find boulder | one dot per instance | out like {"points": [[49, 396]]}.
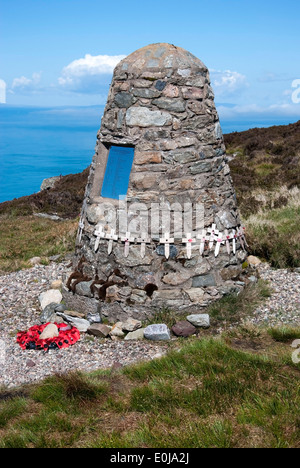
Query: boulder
{"points": [[131, 325], [117, 330], [74, 313], [35, 261], [50, 331], [50, 296], [135, 335], [199, 320], [56, 284], [94, 318], [183, 328], [48, 311], [99, 329], [81, 324], [253, 261], [157, 332], [49, 182]]}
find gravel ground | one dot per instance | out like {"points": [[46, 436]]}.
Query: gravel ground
{"points": [[20, 309], [283, 307]]}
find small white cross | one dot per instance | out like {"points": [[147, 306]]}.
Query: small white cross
{"points": [[202, 238], [127, 239], [167, 241], [227, 238], [111, 236], [143, 240], [81, 228], [219, 240], [188, 241], [100, 234], [234, 237], [213, 232]]}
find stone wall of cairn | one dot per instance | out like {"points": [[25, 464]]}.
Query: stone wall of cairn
{"points": [[161, 102]]}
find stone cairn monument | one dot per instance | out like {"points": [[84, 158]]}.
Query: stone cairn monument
{"points": [[159, 225]]}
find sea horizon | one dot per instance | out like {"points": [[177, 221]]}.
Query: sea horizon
{"points": [[41, 142]]}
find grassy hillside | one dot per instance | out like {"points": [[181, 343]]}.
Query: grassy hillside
{"points": [[262, 161], [64, 199], [265, 167]]}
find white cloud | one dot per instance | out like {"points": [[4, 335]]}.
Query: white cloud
{"points": [[227, 83], [2, 92], [26, 84], [257, 111], [86, 74]]}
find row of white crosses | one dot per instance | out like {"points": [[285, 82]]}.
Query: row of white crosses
{"points": [[212, 236], [127, 239]]}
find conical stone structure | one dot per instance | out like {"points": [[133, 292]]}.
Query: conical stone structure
{"points": [[159, 225]]}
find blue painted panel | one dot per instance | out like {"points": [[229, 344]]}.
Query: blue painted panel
{"points": [[117, 173]]}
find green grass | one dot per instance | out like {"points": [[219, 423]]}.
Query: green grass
{"points": [[206, 394], [285, 334], [232, 308], [25, 237], [164, 315], [273, 234]]}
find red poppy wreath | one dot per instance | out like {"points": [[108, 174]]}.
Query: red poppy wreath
{"points": [[67, 336]]}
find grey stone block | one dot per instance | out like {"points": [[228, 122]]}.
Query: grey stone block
{"points": [[157, 332], [204, 281], [199, 320]]}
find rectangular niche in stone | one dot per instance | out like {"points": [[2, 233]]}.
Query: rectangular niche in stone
{"points": [[117, 172]]}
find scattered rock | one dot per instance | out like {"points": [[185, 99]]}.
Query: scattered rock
{"points": [[98, 329], [30, 363], [55, 258], [49, 182], [253, 261], [48, 311], [135, 335], [60, 308], [74, 313], [54, 318], [50, 296], [50, 331], [131, 325], [157, 356], [157, 332], [81, 324], [183, 328], [117, 330], [199, 320], [94, 318], [56, 284], [35, 261]]}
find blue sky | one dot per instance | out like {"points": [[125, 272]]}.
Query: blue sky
{"points": [[62, 52]]}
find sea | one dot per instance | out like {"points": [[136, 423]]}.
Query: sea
{"points": [[39, 142]]}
